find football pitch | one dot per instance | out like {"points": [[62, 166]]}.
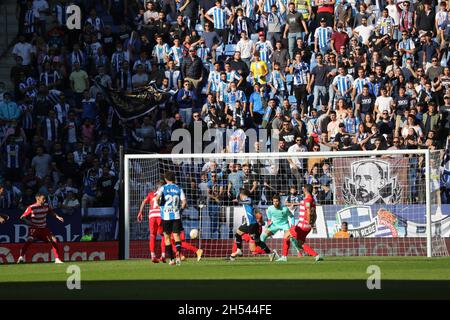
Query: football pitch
{"points": [[245, 278]]}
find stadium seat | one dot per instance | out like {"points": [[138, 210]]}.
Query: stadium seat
{"points": [[229, 49]]}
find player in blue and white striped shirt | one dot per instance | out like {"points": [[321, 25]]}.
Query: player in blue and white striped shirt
{"points": [[160, 51], [222, 88], [322, 37], [406, 48], [359, 83], [265, 49], [301, 78], [214, 79], [172, 200], [176, 52], [218, 16], [268, 5], [343, 84]]}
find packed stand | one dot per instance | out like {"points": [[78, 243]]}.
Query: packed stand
{"points": [[326, 75]]}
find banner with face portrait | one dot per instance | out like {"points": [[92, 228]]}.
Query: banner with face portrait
{"points": [[373, 181]]}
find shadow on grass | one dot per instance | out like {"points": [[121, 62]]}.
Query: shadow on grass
{"points": [[228, 290]]}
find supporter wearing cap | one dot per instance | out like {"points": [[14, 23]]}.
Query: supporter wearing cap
{"points": [[325, 11], [322, 37], [264, 48]]}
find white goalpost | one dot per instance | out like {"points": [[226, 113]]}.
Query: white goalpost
{"points": [[390, 199]]}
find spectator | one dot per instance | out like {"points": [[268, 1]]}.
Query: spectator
{"points": [[9, 110], [343, 233]]}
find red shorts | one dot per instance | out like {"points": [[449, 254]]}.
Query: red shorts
{"points": [[299, 233], [43, 234], [155, 225]]}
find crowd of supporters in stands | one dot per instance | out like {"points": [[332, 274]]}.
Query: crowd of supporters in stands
{"points": [[325, 75]]}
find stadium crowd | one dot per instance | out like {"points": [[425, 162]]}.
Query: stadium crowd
{"points": [[326, 75]]}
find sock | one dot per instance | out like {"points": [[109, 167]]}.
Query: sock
{"points": [[286, 244], [169, 251], [263, 246], [152, 242], [178, 246], [309, 250], [258, 250], [263, 237], [174, 248], [55, 248], [238, 241], [25, 248], [189, 247], [234, 247]]}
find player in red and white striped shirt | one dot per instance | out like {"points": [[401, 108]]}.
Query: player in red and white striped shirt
{"points": [[306, 221], [36, 217], [155, 224]]}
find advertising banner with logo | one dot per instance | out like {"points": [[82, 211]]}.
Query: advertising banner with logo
{"points": [[15, 230], [72, 251]]}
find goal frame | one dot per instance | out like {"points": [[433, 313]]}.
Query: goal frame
{"points": [[306, 155]]}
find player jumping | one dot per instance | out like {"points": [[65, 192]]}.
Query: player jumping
{"points": [[278, 216], [155, 223], [306, 221], [172, 200], [251, 226], [36, 217], [187, 246]]}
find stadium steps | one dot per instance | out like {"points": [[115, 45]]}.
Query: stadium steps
{"points": [[8, 32]]}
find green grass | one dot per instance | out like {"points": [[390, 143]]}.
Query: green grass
{"points": [[255, 278]]}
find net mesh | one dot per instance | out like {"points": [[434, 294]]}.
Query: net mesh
{"points": [[381, 198]]}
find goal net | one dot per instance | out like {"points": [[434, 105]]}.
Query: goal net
{"points": [[390, 200]]}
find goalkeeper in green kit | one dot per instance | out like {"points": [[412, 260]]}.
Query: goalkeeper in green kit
{"points": [[278, 219]]}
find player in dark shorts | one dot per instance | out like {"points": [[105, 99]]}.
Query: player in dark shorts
{"points": [[251, 227]]}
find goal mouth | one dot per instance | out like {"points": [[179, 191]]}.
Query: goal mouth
{"points": [[389, 200]]}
